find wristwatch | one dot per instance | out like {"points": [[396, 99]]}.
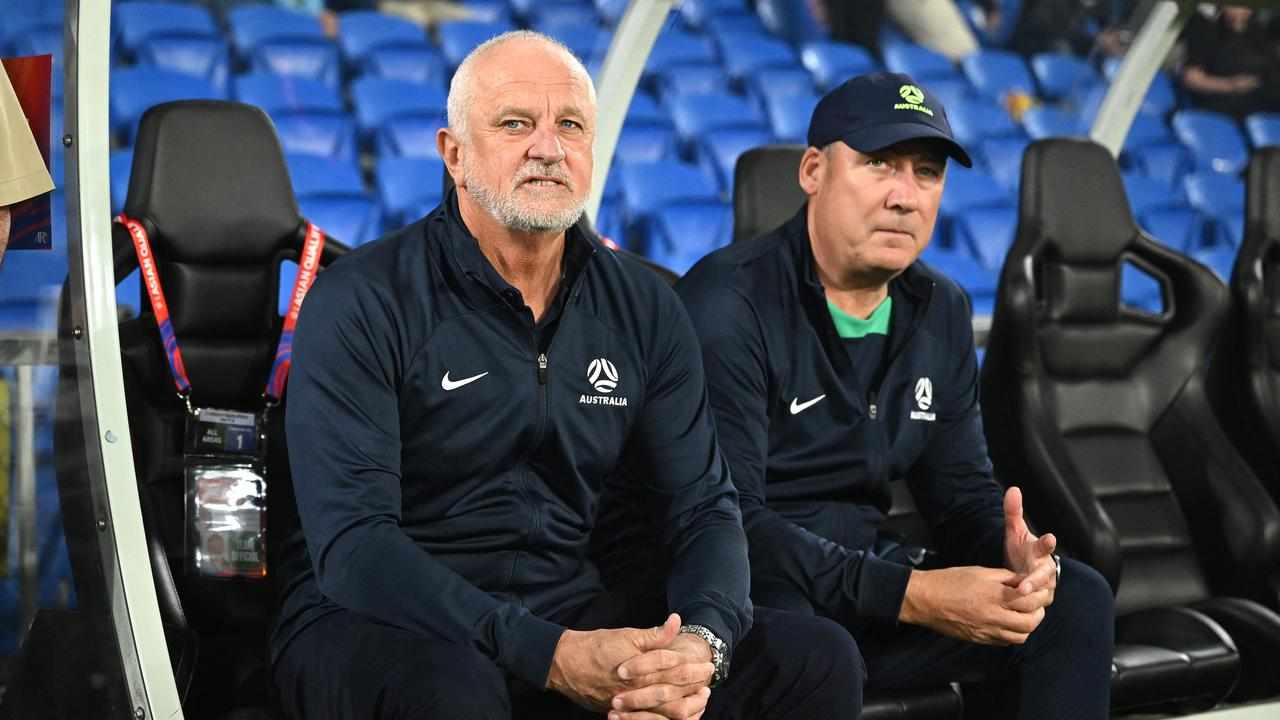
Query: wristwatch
{"points": [[719, 651]]}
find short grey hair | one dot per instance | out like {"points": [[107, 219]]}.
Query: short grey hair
{"points": [[461, 87]]}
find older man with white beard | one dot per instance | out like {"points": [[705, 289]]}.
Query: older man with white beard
{"points": [[460, 391]]}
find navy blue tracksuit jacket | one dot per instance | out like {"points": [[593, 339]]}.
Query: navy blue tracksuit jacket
{"points": [[814, 475], [447, 454]]}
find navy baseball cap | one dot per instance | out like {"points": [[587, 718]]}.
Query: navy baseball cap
{"points": [[874, 111]]}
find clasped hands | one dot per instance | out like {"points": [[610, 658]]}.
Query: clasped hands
{"points": [[635, 674], [991, 606]]}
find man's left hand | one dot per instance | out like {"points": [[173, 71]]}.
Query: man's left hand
{"points": [[1029, 556], [671, 683]]}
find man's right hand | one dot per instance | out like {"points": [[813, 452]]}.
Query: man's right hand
{"points": [[585, 665], [975, 604]]}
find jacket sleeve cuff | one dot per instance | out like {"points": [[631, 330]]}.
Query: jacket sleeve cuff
{"points": [[712, 619], [881, 587], [531, 648]]}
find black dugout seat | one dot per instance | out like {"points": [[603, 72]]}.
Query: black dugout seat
{"points": [[766, 193], [1099, 412], [210, 186], [1247, 374]]}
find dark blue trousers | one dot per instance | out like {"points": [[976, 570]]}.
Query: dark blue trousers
{"points": [[1062, 671], [346, 666]]}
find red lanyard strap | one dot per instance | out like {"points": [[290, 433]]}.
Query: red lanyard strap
{"points": [[308, 266]]}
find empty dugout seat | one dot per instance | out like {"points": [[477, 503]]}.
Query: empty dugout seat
{"points": [[1061, 75], [216, 231], [1263, 129], [997, 73], [1247, 374], [831, 63], [1099, 413], [1213, 138], [360, 32]]}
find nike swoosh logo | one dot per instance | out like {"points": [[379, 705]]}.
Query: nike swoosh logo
{"points": [[448, 384], [798, 407]]}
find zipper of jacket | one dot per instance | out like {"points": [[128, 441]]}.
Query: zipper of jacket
{"points": [[873, 395]]}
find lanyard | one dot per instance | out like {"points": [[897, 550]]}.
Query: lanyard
{"points": [[308, 265]]}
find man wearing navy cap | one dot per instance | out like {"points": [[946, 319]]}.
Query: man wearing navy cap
{"points": [[840, 367]]}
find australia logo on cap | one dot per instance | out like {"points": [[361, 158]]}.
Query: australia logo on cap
{"points": [[914, 97]]}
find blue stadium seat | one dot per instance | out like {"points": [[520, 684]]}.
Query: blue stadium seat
{"points": [[950, 91], [1161, 97], [406, 184], [644, 109], [1166, 162], [1146, 194], [696, 13], [1061, 75], [965, 189], [996, 73], [1147, 130], [316, 133], [975, 120], [647, 187], [489, 11], [575, 27], [1263, 129], [675, 47], [134, 22], [1213, 138], [277, 94], [986, 232], [135, 89], [1219, 259], [745, 55], [1214, 194], [1045, 121], [203, 56], [459, 38], [695, 116], [792, 21], [643, 142], [719, 27], [978, 281], [43, 40], [312, 58], [1140, 290], [363, 31], [1181, 228], [1230, 229], [119, 165], [921, 63], [423, 65], [682, 234], [1003, 159], [331, 194], [679, 80], [252, 25], [610, 11], [530, 10], [789, 117], [409, 136], [773, 85], [609, 221], [377, 100], [718, 152], [831, 63]]}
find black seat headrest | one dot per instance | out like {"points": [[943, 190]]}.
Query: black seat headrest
{"points": [[766, 189], [210, 181], [1085, 222], [1262, 211]]}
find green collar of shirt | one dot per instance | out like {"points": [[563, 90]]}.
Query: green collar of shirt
{"points": [[848, 326]]}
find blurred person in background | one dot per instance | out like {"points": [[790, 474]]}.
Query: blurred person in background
{"points": [[1232, 61]]}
